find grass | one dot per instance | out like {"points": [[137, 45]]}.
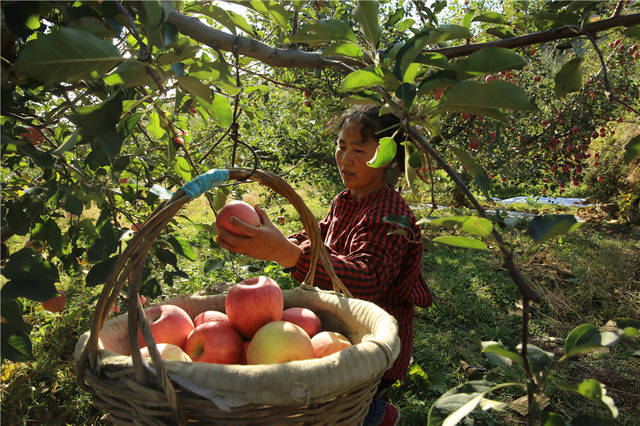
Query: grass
{"points": [[590, 276]]}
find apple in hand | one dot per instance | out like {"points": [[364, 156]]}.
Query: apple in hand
{"points": [[169, 324], [207, 316], [167, 352], [303, 317], [327, 342], [215, 342], [279, 341], [252, 303], [243, 211], [56, 303]]}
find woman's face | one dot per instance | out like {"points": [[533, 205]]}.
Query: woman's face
{"points": [[352, 154]]}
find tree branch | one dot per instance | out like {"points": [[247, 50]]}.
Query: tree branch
{"points": [[542, 36], [294, 58]]}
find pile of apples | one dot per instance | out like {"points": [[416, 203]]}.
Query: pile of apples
{"points": [[256, 329]]}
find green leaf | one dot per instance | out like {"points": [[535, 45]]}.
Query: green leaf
{"points": [[385, 153], [586, 337], [434, 59], [107, 243], [273, 9], [48, 232], [16, 346], [633, 32], [220, 111], [366, 14], [182, 247], [474, 169], [73, 203], [407, 93], [30, 276], [68, 143], [632, 150], [154, 126], [361, 79], [499, 355], [129, 74], [12, 314], [183, 169], [166, 256], [456, 398], [216, 73], [228, 18], [99, 272], [213, 265], [543, 228], [409, 51], [343, 49], [471, 224], [466, 95], [553, 419], [67, 55], [569, 78], [322, 32], [595, 391], [492, 17], [448, 32], [463, 242], [396, 219], [195, 88], [490, 60], [501, 32], [98, 124], [538, 359]]}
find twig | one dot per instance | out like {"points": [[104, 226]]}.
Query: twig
{"points": [[618, 9]]}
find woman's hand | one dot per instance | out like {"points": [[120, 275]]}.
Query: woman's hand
{"points": [[265, 243]]}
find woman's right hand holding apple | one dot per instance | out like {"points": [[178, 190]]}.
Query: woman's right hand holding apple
{"points": [[264, 242]]}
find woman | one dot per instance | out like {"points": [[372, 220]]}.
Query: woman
{"points": [[375, 266]]}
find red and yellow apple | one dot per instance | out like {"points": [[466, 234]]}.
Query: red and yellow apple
{"points": [[169, 324], [243, 211], [303, 317], [167, 352], [56, 303], [328, 342], [207, 316], [252, 303], [279, 341], [215, 342]]}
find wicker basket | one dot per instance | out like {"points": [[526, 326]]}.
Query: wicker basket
{"points": [[334, 390]]}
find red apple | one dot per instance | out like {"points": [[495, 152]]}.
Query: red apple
{"points": [[168, 352], [242, 211], [215, 342], [207, 316], [474, 144], [279, 341], [169, 324], [303, 317], [56, 303], [33, 135], [327, 342], [252, 303]]}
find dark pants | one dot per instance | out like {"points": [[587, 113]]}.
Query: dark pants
{"points": [[379, 403]]}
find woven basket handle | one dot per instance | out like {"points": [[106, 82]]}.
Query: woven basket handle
{"points": [[129, 266]]}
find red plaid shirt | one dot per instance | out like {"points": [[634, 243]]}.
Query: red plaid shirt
{"points": [[374, 266]]}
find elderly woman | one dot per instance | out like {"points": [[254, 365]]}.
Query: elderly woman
{"points": [[373, 265]]}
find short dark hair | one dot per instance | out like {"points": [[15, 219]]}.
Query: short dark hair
{"points": [[376, 126]]}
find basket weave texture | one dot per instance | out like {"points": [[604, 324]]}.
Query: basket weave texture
{"points": [[334, 390]]}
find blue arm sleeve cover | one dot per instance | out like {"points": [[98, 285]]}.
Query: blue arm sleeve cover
{"points": [[205, 182]]}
